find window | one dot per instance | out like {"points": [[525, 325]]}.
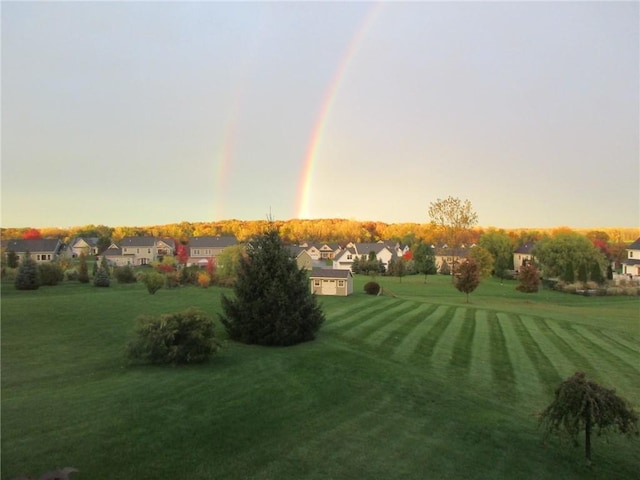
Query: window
{"points": [[316, 283], [630, 253], [341, 283], [149, 250], [349, 256], [37, 257]]}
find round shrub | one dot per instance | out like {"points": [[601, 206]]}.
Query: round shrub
{"points": [[372, 288], [154, 282], [124, 274], [174, 338]]}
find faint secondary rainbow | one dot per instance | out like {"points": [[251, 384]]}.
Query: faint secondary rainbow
{"points": [[304, 189]]}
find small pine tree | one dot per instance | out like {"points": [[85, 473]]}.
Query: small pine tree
{"points": [[355, 266], [102, 278], [528, 279], [467, 277], [595, 274], [12, 259], [28, 276], [83, 269], [583, 274], [569, 274], [273, 304], [104, 265]]}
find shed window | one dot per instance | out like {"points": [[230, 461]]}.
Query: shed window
{"points": [[316, 283], [341, 283]]}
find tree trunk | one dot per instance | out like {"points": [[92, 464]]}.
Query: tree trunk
{"points": [[587, 440]]}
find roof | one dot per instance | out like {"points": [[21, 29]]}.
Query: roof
{"points": [[635, 245], [112, 252], [34, 245], [631, 261], [137, 242], [295, 251], [525, 248], [91, 241], [212, 242], [330, 273]]}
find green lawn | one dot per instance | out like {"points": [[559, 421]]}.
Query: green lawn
{"points": [[416, 385]]}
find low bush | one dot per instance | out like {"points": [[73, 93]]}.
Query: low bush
{"points": [[174, 338], [372, 288], [50, 273], [172, 280], [125, 274], [204, 279], [71, 275], [154, 282]]}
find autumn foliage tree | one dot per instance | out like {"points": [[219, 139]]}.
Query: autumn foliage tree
{"points": [[467, 277], [581, 404], [32, 234], [528, 279]]}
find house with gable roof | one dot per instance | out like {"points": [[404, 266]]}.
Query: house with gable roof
{"points": [[631, 264], [523, 255], [138, 251], [201, 249], [383, 252], [301, 256], [86, 245], [39, 249]]}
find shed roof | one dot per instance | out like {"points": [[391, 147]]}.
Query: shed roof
{"points": [[330, 273]]}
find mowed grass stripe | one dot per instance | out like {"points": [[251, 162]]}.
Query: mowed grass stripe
{"points": [[628, 343], [391, 334], [624, 355], [563, 343], [443, 348], [354, 315], [527, 385], [606, 359], [375, 322], [427, 344], [503, 376], [480, 367], [463, 346], [434, 322]]}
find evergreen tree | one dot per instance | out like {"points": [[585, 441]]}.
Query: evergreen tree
{"points": [[104, 265], [595, 274], [83, 269], [273, 303], [102, 278], [355, 266], [569, 274], [12, 259], [28, 276], [583, 274]]}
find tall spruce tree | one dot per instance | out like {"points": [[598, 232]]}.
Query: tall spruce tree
{"points": [[273, 304]]}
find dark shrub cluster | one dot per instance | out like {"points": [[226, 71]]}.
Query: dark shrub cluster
{"points": [[50, 273], [372, 288], [174, 338], [124, 274]]}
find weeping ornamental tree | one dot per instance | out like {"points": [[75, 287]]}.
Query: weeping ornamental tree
{"points": [[581, 404], [273, 304]]}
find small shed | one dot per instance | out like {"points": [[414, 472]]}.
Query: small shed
{"points": [[331, 281]]}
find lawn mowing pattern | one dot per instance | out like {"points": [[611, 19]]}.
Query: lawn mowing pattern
{"points": [[518, 354], [392, 388]]}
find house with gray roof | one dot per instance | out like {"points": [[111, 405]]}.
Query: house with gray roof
{"points": [[138, 251], [383, 252], [201, 249], [39, 249], [523, 255], [631, 264], [86, 245]]}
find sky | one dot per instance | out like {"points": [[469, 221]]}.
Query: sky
{"points": [[149, 113]]}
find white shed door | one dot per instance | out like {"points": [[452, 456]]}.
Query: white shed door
{"points": [[329, 287]]}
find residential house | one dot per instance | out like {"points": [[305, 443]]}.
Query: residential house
{"points": [[523, 255], [331, 281], [451, 256], [39, 249], [201, 249], [302, 257], [86, 245], [138, 251], [631, 265], [384, 252], [321, 251]]}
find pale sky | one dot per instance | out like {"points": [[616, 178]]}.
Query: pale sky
{"points": [[134, 114]]}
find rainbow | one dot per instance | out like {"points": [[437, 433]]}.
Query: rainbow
{"points": [[304, 189]]}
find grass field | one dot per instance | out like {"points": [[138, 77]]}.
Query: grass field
{"points": [[416, 385]]}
